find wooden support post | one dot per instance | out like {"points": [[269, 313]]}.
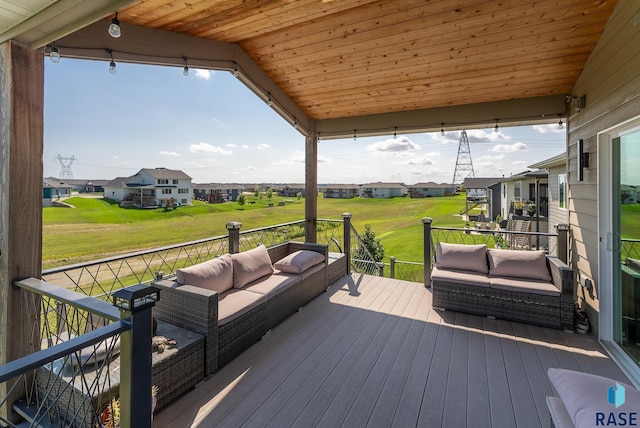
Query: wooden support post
{"points": [[21, 144], [562, 250], [311, 188], [234, 236]]}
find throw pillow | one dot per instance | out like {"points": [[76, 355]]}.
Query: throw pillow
{"points": [[588, 397], [215, 274], [250, 265], [462, 257], [519, 264], [299, 261]]}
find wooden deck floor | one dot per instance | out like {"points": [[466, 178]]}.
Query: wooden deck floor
{"points": [[373, 352]]}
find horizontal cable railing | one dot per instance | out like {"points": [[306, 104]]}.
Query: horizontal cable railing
{"points": [[630, 248]]}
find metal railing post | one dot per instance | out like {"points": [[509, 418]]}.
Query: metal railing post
{"points": [[380, 269], [136, 306], [234, 236], [392, 266], [563, 242], [426, 221], [346, 217]]}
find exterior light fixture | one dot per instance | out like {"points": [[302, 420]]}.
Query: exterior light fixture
{"points": [[355, 137], [295, 123], [185, 70], [54, 54], [269, 102], [136, 298], [442, 129], [497, 128], [235, 71], [112, 64], [560, 124], [395, 132], [114, 27]]}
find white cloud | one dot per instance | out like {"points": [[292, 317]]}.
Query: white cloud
{"points": [[244, 146], [125, 163], [263, 146], [549, 127], [249, 168], [509, 148], [205, 148], [399, 144], [115, 157], [480, 136], [298, 157], [230, 145], [164, 153], [519, 164], [203, 74], [491, 157]]}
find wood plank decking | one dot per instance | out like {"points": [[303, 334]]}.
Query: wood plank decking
{"points": [[373, 352]]}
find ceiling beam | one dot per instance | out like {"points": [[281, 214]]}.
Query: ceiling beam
{"points": [[157, 47], [527, 111]]}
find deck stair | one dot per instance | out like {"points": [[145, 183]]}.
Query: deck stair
{"points": [[29, 414]]}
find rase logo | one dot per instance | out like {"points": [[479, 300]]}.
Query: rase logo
{"points": [[616, 397]]}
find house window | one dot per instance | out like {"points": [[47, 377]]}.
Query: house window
{"points": [[562, 191], [166, 191], [183, 190], [162, 181], [175, 181], [504, 190], [516, 190]]}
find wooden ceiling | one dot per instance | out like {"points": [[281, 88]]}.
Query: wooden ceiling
{"points": [[346, 58]]}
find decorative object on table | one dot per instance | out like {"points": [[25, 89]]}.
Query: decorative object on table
{"points": [[160, 343], [110, 416]]}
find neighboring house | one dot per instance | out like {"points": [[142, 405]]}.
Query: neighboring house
{"points": [[523, 187], [340, 191], [216, 193], [483, 193], [150, 188], [382, 190], [425, 190], [83, 185], [291, 190], [54, 190], [557, 211], [628, 194]]}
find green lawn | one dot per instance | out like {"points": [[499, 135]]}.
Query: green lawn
{"points": [[98, 228]]}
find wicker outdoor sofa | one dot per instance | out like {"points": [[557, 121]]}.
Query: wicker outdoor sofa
{"points": [[525, 286], [235, 299]]}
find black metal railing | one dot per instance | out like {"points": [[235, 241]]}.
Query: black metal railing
{"points": [[66, 377]]}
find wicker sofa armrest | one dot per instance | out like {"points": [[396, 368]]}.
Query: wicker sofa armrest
{"points": [[562, 276], [192, 308]]}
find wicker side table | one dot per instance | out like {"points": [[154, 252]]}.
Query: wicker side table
{"points": [[175, 371]]}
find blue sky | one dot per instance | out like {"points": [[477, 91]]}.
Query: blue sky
{"points": [[214, 129]]}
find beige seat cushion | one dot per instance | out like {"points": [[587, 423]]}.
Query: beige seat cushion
{"points": [[250, 265], [460, 277], [272, 284], [215, 274], [313, 269], [519, 264], [524, 285], [471, 258], [234, 303], [299, 261]]}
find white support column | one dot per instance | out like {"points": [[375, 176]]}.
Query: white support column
{"points": [[21, 144]]}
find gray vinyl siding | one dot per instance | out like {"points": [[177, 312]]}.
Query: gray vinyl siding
{"points": [[611, 82]]}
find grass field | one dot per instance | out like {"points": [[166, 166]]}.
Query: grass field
{"points": [[98, 228]]}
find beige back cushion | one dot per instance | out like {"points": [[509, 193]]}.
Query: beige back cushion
{"points": [[519, 264], [215, 274], [251, 265], [471, 258]]}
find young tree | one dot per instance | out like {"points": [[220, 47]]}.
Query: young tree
{"points": [[242, 199], [373, 245], [299, 195], [269, 193], [256, 193]]}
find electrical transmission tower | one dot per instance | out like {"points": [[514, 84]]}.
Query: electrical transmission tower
{"points": [[65, 166], [464, 165]]}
